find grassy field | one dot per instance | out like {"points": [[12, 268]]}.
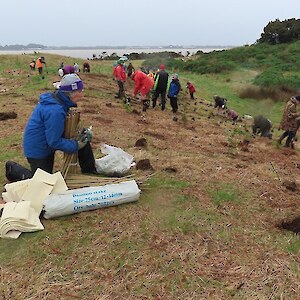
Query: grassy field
{"points": [[207, 224]]}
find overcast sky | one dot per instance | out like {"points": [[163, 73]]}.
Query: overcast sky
{"points": [[138, 22]]}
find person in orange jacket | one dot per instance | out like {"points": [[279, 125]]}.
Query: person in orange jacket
{"points": [[142, 85], [39, 65]]}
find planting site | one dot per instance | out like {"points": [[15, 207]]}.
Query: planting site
{"points": [[218, 216]]}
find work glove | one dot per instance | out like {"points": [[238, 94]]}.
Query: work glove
{"points": [[86, 135], [81, 144]]}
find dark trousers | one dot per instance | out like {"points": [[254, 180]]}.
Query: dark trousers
{"points": [[121, 92], [290, 137], [162, 94], [45, 164], [174, 104], [85, 157], [192, 95]]}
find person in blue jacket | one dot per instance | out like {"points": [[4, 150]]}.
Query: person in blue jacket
{"points": [[173, 92], [44, 132]]}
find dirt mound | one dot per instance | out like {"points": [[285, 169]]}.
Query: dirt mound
{"points": [[8, 115], [144, 164], [293, 225], [141, 143], [170, 170], [290, 185]]}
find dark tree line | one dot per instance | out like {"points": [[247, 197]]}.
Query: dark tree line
{"points": [[278, 32]]}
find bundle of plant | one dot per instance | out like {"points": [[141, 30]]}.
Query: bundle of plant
{"points": [[72, 126], [75, 181]]}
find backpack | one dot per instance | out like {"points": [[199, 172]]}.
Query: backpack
{"points": [[16, 172]]}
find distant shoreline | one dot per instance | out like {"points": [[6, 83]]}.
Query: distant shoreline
{"points": [[87, 53], [42, 48]]}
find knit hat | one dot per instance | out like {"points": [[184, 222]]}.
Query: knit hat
{"points": [[71, 83], [68, 69], [122, 60], [162, 67], [297, 98]]}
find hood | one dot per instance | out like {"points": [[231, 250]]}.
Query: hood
{"points": [[57, 97]]}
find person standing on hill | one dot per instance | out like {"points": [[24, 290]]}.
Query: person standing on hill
{"points": [[289, 121], [191, 89], [160, 86], [173, 92], [130, 69], [142, 85], [39, 65], [120, 74]]}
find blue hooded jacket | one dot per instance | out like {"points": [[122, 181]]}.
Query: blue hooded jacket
{"points": [[174, 88], [45, 129]]}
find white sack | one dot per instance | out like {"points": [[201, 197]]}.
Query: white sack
{"points": [[117, 162]]}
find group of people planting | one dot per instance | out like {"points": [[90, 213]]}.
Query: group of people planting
{"points": [[44, 132], [290, 121], [152, 85], [149, 86]]}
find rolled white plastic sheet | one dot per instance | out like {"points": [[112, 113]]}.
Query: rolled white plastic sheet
{"points": [[90, 198]]}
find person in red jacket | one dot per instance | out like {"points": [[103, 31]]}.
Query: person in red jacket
{"points": [[191, 89], [120, 74], [142, 85]]}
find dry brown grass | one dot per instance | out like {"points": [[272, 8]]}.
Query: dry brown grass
{"points": [[174, 243]]}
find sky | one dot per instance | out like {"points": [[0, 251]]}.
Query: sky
{"points": [[140, 23]]}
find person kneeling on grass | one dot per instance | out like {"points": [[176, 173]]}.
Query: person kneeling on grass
{"points": [[262, 125], [44, 132], [232, 115]]}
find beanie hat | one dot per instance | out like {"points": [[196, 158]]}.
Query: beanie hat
{"points": [[297, 98], [71, 83], [68, 69], [162, 67]]}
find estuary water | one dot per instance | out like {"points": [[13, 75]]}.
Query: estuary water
{"points": [[88, 53]]}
